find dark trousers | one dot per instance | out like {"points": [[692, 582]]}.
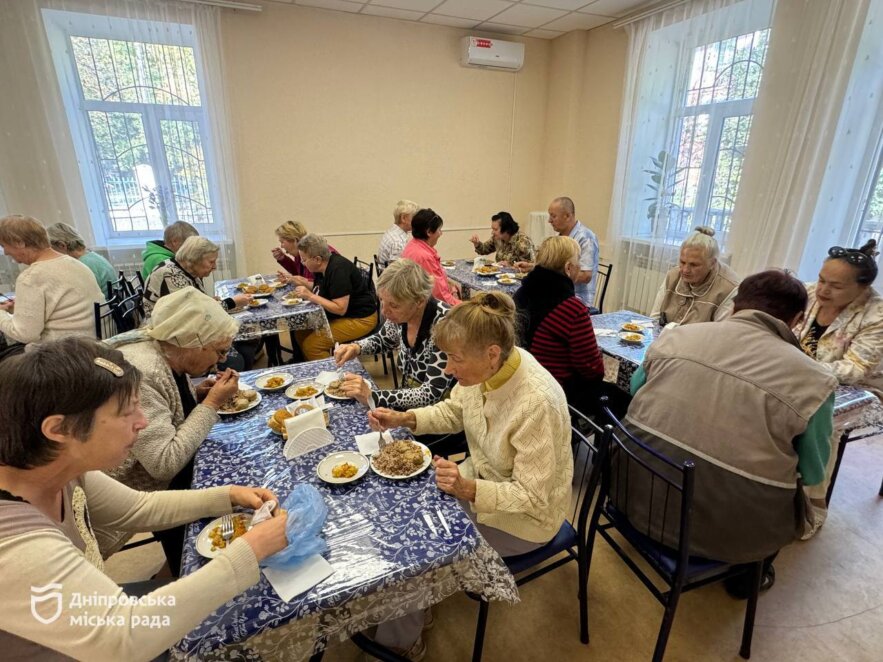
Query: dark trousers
{"points": [[172, 540]]}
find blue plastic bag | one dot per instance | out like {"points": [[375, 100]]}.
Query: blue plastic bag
{"points": [[306, 517]]}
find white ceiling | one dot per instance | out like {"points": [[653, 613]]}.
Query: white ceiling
{"points": [[545, 19]]}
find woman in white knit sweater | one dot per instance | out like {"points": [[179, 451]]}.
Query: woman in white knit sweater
{"points": [[516, 483], [55, 296], [71, 411]]}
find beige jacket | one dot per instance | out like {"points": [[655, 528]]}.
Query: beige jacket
{"points": [[710, 301], [852, 346], [519, 445], [36, 551], [168, 442]]}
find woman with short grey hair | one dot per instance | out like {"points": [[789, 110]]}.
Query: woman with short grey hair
{"points": [[196, 259], [68, 241], [342, 291], [411, 312]]}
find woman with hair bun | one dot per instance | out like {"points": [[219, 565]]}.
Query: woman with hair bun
{"points": [[843, 329], [701, 288], [516, 483]]}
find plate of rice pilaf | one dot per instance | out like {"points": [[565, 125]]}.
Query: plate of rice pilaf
{"points": [[401, 459]]}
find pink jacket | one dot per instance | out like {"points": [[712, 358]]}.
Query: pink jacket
{"points": [[427, 257]]}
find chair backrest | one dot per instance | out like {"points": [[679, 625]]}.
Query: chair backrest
{"points": [[604, 271], [367, 269], [646, 491], [133, 284], [117, 288], [129, 313], [379, 266], [106, 319], [585, 441]]}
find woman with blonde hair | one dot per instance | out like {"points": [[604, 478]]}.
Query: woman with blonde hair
{"points": [[701, 288], [555, 326], [68, 241], [290, 233], [516, 483], [55, 295]]}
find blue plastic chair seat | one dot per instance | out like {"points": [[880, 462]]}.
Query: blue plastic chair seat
{"points": [[564, 540], [698, 568]]}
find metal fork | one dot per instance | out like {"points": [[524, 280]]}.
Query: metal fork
{"points": [[227, 527]]}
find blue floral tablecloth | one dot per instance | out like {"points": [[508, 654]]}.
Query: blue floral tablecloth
{"points": [[471, 282], [386, 560], [274, 317], [854, 407]]}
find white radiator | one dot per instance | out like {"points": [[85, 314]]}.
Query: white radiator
{"points": [[539, 227], [640, 289]]}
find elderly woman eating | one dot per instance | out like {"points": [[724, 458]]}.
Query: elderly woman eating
{"points": [[411, 313], [511, 245], [55, 295], [188, 334], [194, 261], [516, 483], [71, 411], [67, 240], [426, 230], [289, 234], [342, 291], [555, 325], [700, 288], [843, 330]]}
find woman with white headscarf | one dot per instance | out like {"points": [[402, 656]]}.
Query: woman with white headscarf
{"points": [[187, 335]]}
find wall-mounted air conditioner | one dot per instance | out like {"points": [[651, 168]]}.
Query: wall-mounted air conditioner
{"points": [[491, 53]]}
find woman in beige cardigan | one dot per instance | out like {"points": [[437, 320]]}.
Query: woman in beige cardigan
{"points": [[71, 411], [516, 483]]}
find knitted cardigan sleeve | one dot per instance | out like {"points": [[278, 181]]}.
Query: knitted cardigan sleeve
{"points": [[29, 318]]}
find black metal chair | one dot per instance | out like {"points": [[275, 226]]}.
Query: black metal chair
{"points": [[107, 318], [570, 541], [367, 269], [133, 284], [130, 312], [602, 279], [626, 464], [118, 288], [379, 266]]}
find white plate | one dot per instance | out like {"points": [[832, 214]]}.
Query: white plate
{"points": [[204, 543], [261, 381], [257, 302], [336, 397], [507, 281], [323, 469], [490, 275], [625, 330], [304, 382], [448, 264], [622, 336], [254, 403], [296, 301], [427, 460], [262, 295]]}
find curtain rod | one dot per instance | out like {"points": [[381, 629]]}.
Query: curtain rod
{"points": [[228, 4], [646, 12]]}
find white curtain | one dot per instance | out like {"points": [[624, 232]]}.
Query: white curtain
{"points": [[651, 210], [812, 50], [41, 158]]}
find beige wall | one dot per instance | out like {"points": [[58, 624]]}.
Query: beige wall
{"points": [[336, 117], [586, 72]]}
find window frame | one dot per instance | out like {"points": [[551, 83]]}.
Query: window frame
{"points": [[60, 26]]}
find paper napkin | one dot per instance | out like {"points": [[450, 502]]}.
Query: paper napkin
{"points": [[326, 377], [291, 582], [370, 443], [604, 332]]}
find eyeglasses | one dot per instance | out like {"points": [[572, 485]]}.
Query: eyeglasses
{"points": [[222, 353], [851, 255]]}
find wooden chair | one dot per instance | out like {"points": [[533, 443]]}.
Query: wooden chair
{"points": [[625, 462], [570, 542]]}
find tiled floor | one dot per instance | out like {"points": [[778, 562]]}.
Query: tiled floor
{"points": [[827, 603]]}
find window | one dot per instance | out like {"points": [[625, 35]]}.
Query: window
{"points": [[702, 175], [871, 223], [136, 110]]}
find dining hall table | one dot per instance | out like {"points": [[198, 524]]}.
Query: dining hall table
{"points": [[387, 560], [275, 317], [855, 408], [461, 271]]}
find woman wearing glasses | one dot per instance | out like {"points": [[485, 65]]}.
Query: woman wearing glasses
{"points": [[843, 328], [187, 335]]}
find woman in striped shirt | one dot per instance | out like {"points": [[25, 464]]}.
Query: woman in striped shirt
{"points": [[555, 325]]}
